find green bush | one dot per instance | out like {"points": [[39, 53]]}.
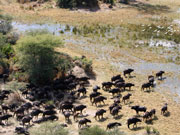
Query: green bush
{"points": [[95, 130], [49, 128], [36, 55], [67, 3]]}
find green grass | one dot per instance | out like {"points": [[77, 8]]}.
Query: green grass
{"points": [[49, 128]]}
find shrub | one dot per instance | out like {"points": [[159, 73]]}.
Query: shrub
{"points": [[95, 130], [49, 128], [148, 129], [67, 3], [5, 26]]}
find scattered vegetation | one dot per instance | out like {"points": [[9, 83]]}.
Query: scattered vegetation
{"points": [[151, 130], [96, 130], [49, 128], [168, 32]]}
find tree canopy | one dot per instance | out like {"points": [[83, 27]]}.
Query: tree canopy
{"points": [[37, 56]]}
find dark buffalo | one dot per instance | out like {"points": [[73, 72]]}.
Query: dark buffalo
{"points": [[114, 78], [114, 91], [107, 85], [159, 74], [128, 71], [133, 121], [147, 85], [128, 85], [113, 124], [83, 121], [93, 95], [139, 109], [79, 108], [100, 113], [164, 109], [99, 99], [126, 97]]}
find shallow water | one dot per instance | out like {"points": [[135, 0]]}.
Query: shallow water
{"points": [[53, 28]]}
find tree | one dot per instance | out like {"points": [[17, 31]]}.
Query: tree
{"points": [[36, 55]]}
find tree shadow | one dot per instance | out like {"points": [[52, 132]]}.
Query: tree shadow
{"points": [[149, 8]]}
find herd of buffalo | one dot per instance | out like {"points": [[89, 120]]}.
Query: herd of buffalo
{"points": [[65, 92]]}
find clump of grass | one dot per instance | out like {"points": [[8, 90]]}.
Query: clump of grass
{"points": [[148, 129], [95, 130], [49, 128], [67, 28], [177, 59], [155, 131], [115, 131], [50, 102], [61, 31]]}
